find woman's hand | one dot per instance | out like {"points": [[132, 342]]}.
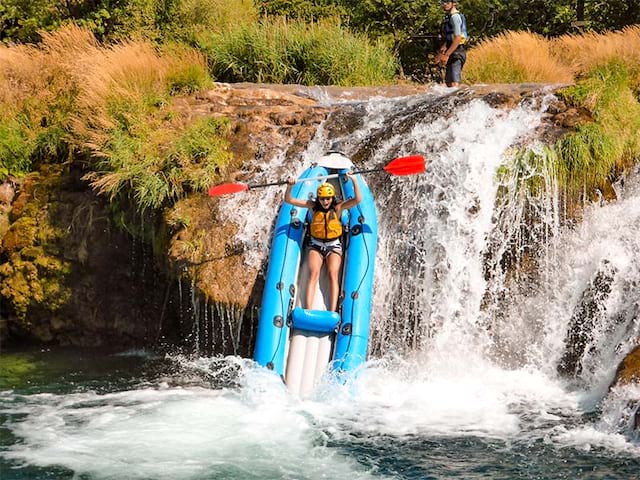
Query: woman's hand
{"points": [[291, 180]]}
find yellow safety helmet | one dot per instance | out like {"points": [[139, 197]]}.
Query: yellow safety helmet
{"points": [[326, 190]]}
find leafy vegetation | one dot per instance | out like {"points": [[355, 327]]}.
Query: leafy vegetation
{"points": [[36, 101], [411, 26], [598, 152], [113, 103], [108, 112]]}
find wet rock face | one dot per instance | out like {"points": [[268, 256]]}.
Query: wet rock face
{"points": [[628, 373], [69, 275], [587, 314]]}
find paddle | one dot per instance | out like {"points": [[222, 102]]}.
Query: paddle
{"points": [[399, 166]]}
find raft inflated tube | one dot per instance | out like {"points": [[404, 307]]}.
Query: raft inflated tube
{"points": [[321, 321]]}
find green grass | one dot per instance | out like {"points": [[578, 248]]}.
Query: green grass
{"points": [[16, 148]]}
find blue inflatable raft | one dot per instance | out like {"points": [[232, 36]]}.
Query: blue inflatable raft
{"points": [[301, 345]]}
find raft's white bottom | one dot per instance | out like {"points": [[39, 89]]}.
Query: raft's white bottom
{"points": [[309, 354]]}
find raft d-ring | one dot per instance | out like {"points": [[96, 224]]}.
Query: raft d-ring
{"points": [[346, 329], [356, 229], [277, 321], [296, 223]]}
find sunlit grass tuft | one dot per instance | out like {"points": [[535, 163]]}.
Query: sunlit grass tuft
{"points": [[124, 118], [213, 15], [598, 152], [112, 105], [37, 92]]}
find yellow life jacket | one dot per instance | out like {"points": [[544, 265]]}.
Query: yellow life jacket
{"points": [[325, 225]]}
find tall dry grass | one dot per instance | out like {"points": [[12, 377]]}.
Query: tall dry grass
{"points": [[42, 73], [516, 57], [113, 105], [37, 92], [583, 52], [124, 118]]}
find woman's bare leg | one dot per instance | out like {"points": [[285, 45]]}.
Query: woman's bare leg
{"points": [[314, 261], [333, 270]]}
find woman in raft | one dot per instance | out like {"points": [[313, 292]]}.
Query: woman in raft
{"points": [[325, 229]]}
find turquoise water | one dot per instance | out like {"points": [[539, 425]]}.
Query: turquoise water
{"points": [[70, 414]]}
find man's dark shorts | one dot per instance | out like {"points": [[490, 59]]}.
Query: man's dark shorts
{"points": [[454, 66]]}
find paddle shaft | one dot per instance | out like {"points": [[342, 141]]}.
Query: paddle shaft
{"points": [[409, 165], [322, 177]]}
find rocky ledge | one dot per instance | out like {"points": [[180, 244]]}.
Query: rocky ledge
{"points": [[98, 286]]}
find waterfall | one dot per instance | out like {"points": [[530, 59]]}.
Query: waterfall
{"points": [[476, 273]]}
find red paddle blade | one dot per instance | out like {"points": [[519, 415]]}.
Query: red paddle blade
{"points": [[406, 165], [227, 189]]}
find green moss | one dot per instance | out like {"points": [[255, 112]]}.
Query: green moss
{"points": [[33, 273], [15, 370]]}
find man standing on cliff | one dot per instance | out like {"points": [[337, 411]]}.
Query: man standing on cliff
{"points": [[452, 52]]}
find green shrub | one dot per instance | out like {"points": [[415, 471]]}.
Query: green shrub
{"points": [[187, 80], [291, 51]]}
